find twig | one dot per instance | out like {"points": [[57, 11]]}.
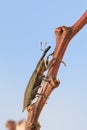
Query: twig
{"points": [[63, 36]]}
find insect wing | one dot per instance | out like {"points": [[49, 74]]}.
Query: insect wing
{"points": [[28, 91]]}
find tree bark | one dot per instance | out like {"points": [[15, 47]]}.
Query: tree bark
{"points": [[63, 36]]}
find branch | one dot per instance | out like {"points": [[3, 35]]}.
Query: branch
{"points": [[63, 36]]}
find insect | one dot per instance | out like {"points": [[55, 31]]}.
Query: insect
{"points": [[35, 81]]}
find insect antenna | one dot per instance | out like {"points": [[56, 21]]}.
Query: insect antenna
{"points": [[43, 49]]}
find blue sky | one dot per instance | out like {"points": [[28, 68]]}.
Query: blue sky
{"points": [[23, 25]]}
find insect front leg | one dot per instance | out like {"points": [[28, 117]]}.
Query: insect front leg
{"points": [[49, 64]]}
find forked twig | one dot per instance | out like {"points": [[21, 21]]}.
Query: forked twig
{"points": [[63, 36]]}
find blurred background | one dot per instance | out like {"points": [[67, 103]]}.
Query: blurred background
{"points": [[23, 25]]}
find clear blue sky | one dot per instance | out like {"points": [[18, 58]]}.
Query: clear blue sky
{"points": [[23, 24]]}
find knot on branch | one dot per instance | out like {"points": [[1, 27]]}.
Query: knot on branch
{"points": [[60, 30], [54, 82]]}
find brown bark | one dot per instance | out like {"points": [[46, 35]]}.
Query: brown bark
{"points": [[63, 36]]}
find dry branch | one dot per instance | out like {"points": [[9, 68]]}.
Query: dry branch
{"points": [[63, 36]]}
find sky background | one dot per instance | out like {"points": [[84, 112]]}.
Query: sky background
{"points": [[23, 25]]}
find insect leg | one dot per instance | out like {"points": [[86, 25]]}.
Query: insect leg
{"points": [[41, 94], [48, 64], [34, 91]]}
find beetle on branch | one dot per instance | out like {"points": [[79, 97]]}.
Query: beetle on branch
{"points": [[35, 81]]}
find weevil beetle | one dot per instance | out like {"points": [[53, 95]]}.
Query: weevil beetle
{"points": [[35, 81]]}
